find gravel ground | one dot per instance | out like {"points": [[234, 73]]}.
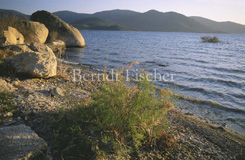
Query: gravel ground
{"points": [[199, 139]]}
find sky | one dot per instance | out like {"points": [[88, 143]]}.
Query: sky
{"points": [[218, 10]]}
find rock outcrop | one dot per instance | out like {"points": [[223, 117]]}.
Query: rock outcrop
{"points": [[58, 29], [57, 46], [12, 50], [40, 62], [33, 31], [11, 36], [20, 142]]}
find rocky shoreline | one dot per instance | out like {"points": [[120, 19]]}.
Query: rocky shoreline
{"points": [[193, 138], [34, 86]]}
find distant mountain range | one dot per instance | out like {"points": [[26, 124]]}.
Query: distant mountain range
{"points": [[4, 12], [226, 27], [149, 21], [94, 23]]}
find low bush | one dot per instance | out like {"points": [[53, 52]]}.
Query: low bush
{"points": [[119, 121], [210, 39]]}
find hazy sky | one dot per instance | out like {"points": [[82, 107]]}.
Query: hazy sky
{"points": [[219, 10]]}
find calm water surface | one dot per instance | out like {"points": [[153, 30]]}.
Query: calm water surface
{"points": [[205, 71]]}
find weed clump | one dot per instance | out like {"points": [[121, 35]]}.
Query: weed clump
{"points": [[119, 121], [5, 107]]}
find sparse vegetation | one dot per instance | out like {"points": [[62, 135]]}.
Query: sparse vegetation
{"points": [[5, 68], [6, 21], [209, 39], [13, 21], [1, 55], [119, 121], [5, 108]]}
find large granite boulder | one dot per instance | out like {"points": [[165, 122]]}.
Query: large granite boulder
{"points": [[58, 29], [20, 142], [11, 36], [40, 62], [33, 31]]}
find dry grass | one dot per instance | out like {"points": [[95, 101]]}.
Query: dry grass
{"points": [[15, 22], [8, 21]]}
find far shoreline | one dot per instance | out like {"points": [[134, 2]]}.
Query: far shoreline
{"points": [[206, 33]]}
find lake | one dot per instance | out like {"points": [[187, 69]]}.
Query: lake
{"points": [[211, 72]]}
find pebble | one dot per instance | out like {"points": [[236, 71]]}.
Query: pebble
{"points": [[189, 114], [56, 92]]}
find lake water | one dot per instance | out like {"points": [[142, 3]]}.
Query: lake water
{"points": [[205, 71]]}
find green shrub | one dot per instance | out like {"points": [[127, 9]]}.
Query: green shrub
{"points": [[120, 120], [210, 39], [135, 112]]}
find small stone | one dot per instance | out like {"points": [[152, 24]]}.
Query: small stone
{"points": [[189, 114], [224, 125], [56, 92], [15, 83]]}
